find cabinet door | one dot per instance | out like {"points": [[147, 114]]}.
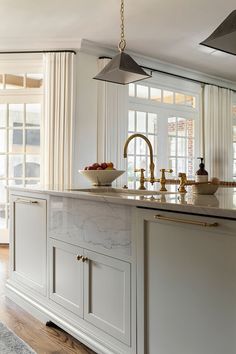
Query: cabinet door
{"points": [[190, 284], [107, 294], [29, 242], [66, 276]]}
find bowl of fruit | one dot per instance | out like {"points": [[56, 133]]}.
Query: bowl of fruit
{"points": [[102, 174]]}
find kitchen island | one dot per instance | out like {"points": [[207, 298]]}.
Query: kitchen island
{"points": [[126, 273]]}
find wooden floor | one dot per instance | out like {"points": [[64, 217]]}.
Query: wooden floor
{"points": [[42, 339]]}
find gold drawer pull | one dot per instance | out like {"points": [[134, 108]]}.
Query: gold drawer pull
{"points": [[26, 201], [186, 221]]}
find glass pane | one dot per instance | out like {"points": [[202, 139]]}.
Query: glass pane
{"points": [[140, 146], [152, 123], [168, 97], [16, 140], [34, 80], [234, 132], [190, 147], [234, 147], [141, 122], [33, 112], [131, 90], [3, 192], [181, 146], [142, 91], [172, 126], [15, 182], [181, 125], [131, 147], [155, 94], [131, 123], [130, 168], [32, 167], [15, 166], [3, 140], [2, 216], [172, 164], [1, 81], [190, 128], [14, 81], [181, 165], [190, 101], [172, 146], [32, 141], [2, 166], [16, 115], [179, 98], [3, 115], [32, 182], [234, 168], [140, 162], [190, 172]]}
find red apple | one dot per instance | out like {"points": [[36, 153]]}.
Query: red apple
{"points": [[104, 165]]}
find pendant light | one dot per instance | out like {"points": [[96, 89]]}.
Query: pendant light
{"points": [[122, 69], [224, 37]]}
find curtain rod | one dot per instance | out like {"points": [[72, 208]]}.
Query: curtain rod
{"points": [[176, 75], [40, 51]]}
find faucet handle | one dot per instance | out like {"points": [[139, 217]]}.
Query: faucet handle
{"points": [[163, 179], [166, 170], [142, 178], [183, 182]]}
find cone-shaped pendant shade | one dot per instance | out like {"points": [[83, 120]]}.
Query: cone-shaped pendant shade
{"points": [[122, 69], [224, 37]]}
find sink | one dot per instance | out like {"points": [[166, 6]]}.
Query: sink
{"points": [[109, 191]]}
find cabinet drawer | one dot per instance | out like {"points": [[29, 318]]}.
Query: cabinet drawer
{"points": [[29, 237]]}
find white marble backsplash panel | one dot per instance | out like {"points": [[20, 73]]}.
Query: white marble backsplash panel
{"points": [[90, 223]]}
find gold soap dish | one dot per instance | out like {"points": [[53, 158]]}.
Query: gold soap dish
{"points": [[206, 187]]}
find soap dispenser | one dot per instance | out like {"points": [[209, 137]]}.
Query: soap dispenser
{"points": [[201, 174]]}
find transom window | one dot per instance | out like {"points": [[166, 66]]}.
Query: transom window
{"points": [[168, 117]]}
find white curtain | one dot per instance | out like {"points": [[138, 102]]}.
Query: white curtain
{"points": [[112, 122], [58, 119], [218, 131]]}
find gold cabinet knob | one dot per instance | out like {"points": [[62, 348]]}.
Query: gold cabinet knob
{"points": [[84, 259], [79, 257]]}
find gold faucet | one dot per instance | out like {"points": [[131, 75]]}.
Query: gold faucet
{"points": [[152, 178]]}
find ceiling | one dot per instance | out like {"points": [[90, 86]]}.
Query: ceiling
{"points": [[169, 30]]}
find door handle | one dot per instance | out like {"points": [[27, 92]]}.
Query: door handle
{"points": [[186, 221], [26, 201]]}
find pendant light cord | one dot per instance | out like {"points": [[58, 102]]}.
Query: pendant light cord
{"points": [[122, 43]]}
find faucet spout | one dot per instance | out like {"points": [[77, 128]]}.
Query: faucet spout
{"points": [[152, 166]]}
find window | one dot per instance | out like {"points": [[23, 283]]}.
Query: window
{"points": [[168, 116], [20, 122]]}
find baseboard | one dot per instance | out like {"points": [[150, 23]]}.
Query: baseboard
{"points": [[44, 315]]}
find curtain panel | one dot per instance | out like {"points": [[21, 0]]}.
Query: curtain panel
{"points": [[217, 122], [58, 119]]}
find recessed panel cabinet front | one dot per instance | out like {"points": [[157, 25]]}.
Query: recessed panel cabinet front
{"points": [[107, 294], [66, 276], [29, 242]]}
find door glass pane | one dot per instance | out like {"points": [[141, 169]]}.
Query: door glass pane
{"points": [[3, 140], [131, 123], [141, 122], [181, 127], [2, 216], [3, 192], [16, 166], [152, 123], [32, 168], [172, 126], [172, 146], [33, 112], [181, 142], [3, 115], [32, 141], [16, 115], [2, 166], [16, 140]]}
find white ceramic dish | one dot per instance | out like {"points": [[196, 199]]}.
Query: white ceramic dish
{"points": [[101, 177], [205, 188]]}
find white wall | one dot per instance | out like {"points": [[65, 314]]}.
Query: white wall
{"points": [[85, 127]]}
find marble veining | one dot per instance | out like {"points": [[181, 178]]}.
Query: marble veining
{"points": [[91, 222]]}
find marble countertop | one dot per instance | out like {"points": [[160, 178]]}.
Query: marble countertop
{"points": [[221, 204]]}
